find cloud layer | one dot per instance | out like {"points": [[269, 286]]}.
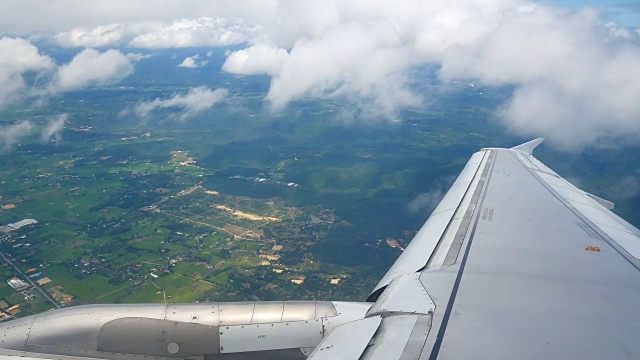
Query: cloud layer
{"points": [[53, 129], [182, 33], [193, 62], [91, 67], [184, 106], [12, 134], [18, 57], [576, 80], [426, 202], [256, 60], [100, 36], [576, 77], [179, 33]]}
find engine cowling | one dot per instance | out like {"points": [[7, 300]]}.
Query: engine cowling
{"points": [[281, 329]]}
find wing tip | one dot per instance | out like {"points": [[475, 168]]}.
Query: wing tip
{"points": [[529, 146]]}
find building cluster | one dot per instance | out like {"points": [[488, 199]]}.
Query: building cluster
{"points": [[265, 180], [7, 312], [17, 284], [17, 225]]}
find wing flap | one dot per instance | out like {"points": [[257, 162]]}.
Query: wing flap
{"points": [[404, 295], [399, 337], [347, 341]]}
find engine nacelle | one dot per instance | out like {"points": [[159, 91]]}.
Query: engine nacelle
{"points": [[243, 330]]}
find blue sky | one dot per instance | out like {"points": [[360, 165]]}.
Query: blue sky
{"points": [[623, 12]]}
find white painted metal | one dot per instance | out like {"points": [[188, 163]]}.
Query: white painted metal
{"points": [[173, 348], [556, 181], [298, 310], [347, 312], [438, 257], [525, 159], [260, 337], [528, 287], [606, 203], [347, 341], [452, 199], [21, 355], [78, 328], [574, 196], [391, 339], [323, 308], [404, 295], [627, 238], [205, 313], [267, 312], [541, 166], [236, 313], [624, 234], [424, 243], [175, 330], [529, 146], [154, 337]]}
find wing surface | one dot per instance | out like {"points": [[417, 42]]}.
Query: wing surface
{"points": [[515, 262]]}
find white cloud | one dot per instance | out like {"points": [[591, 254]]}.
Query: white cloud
{"points": [[617, 31], [11, 86], [91, 67], [21, 56], [188, 105], [627, 188], [87, 68], [573, 89], [427, 202], [572, 84], [100, 36], [35, 15], [189, 62], [192, 62], [575, 76], [17, 57], [182, 33], [257, 59], [365, 61], [54, 127], [11, 135]]}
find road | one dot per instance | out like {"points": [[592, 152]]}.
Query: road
{"points": [[36, 286]]}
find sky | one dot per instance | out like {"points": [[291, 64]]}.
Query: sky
{"points": [[574, 66], [623, 12]]}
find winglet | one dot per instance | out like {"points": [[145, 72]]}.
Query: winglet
{"points": [[528, 146], [606, 203]]}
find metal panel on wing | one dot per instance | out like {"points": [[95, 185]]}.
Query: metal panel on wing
{"points": [[348, 341], [274, 336], [426, 240]]}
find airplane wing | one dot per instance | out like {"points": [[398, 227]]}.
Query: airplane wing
{"points": [[515, 262]]}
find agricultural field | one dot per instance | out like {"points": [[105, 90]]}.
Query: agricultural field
{"points": [[238, 204]]}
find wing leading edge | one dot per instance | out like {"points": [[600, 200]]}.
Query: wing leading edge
{"points": [[515, 262]]}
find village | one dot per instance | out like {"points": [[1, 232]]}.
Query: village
{"points": [[211, 245]]}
